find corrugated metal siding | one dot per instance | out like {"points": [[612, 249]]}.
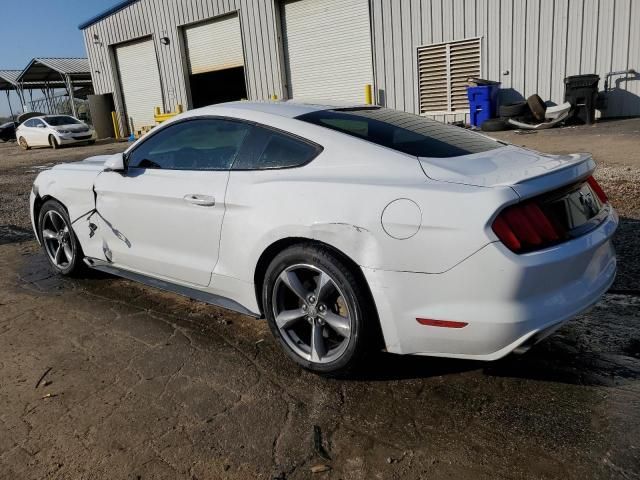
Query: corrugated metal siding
{"points": [[539, 42], [160, 18]]}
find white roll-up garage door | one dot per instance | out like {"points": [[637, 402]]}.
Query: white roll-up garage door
{"points": [[327, 45], [139, 81], [214, 45]]}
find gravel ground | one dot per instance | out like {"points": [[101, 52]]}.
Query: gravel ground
{"points": [[141, 384]]}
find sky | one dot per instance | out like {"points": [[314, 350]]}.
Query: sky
{"points": [[49, 29]]}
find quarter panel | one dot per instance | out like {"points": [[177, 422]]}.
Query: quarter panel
{"points": [[73, 187], [339, 199]]}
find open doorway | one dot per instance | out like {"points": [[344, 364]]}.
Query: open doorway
{"points": [[218, 86]]}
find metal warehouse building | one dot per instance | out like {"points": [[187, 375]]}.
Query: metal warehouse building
{"points": [[417, 54]]}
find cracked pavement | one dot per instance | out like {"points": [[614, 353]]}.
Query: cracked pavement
{"points": [[146, 384]]}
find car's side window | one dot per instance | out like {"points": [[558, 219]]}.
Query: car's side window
{"points": [[38, 123], [268, 149], [199, 144], [30, 123]]}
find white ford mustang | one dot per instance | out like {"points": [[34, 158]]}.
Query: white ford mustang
{"points": [[349, 229]]}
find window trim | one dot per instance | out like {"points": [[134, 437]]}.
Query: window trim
{"points": [[319, 148], [153, 133]]}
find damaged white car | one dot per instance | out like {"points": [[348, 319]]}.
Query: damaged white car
{"points": [[349, 229]]}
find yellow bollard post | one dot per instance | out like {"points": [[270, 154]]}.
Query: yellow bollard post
{"points": [[368, 94], [274, 97], [179, 108], [157, 111], [116, 127]]}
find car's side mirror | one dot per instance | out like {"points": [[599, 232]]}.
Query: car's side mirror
{"points": [[115, 163]]}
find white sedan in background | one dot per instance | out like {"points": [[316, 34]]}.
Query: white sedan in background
{"points": [[53, 131], [349, 229]]}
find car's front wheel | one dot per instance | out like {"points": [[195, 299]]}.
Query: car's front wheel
{"points": [[58, 239], [318, 310], [23, 143], [53, 142]]}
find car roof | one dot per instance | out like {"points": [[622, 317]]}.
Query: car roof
{"points": [[288, 109]]}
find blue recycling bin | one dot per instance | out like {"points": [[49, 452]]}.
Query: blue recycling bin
{"points": [[483, 103]]}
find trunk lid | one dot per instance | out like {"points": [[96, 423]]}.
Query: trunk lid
{"points": [[529, 173]]}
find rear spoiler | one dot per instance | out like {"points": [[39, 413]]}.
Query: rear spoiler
{"points": [[581, 168]]}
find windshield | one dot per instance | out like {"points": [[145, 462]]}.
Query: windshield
{"points": [[59, 120], [405, 132]]}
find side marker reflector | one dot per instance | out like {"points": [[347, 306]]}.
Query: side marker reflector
{"points": [[441, 323]]}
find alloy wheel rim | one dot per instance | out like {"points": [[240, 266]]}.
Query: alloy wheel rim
{"points": [[57, 239], [311, 313]]}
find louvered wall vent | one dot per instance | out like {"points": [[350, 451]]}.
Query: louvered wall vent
{"points": [[443, 70]]}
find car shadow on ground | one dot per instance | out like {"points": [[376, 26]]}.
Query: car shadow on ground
{"points": [[599, 348]]}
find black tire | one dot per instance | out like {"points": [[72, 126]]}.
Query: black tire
{"points": [[23, 143], [364, 329], [76, 264], [53, 142], [495, 125], [537, 107], [91, 142], [512, 110]]}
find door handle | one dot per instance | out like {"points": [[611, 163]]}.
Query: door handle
{"points": [[202, 200]]}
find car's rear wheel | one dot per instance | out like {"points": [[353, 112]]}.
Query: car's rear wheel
{"points": [[23, 143], [317, 309], [58, 239], [53, 142]]}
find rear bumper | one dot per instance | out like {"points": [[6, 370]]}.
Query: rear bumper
{"points": [[507, 300]]}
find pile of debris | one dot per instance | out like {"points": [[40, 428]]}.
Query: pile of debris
{"points": [[530, 115], [580, 99]]}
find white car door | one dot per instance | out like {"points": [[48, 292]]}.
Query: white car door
{"points": [[163, 215], [29, 132], [39, 133]]}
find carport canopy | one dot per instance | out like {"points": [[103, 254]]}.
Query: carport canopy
{"points": [[56, 73], [9, 81], [46, 70]]}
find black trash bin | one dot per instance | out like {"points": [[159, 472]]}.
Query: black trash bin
{"points": [[582, 92]]}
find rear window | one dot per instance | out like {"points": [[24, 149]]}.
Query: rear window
{"points": [[267, 149], [401, 131]]}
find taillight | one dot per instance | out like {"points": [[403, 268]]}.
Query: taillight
{"points": [[525, 227], [595, 186]]}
